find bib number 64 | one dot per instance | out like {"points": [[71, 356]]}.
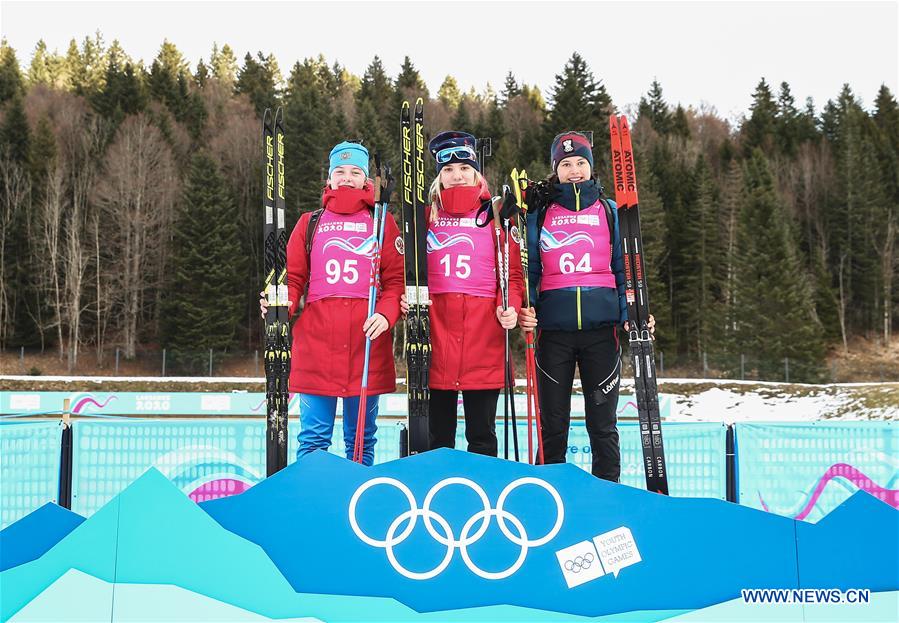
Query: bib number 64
{"points": [[567, 265]]}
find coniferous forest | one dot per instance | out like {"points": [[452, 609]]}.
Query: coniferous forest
{"points": [[130, 198]]}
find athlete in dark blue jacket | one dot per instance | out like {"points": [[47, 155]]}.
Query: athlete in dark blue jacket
{"points": [[577, 278]]}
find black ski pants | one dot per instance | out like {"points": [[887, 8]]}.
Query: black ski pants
{"points": [[480, 419], [597, 355]]}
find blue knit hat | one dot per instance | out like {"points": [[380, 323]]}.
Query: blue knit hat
{"points": [[570, 144], [451, 146], [347, 153]]}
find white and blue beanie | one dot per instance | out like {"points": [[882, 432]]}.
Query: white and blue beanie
{"points": [[347, 153]]}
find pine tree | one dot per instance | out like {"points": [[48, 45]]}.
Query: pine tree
{"points": [[680, 125], [203, 304], [774, 303], [223, 64], [308, 137], [257, 80], [462, 119], [656, 109], [201, 75], [376, 88], [759, 130], [579, 102], [510, 88], [46, 67], [85, 67], [410, 82], [700, 288], [11, 83], [123, 92], [788, 122], [14, 131], [449, 93]]}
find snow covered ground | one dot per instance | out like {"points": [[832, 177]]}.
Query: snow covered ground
{"points": [[697, 400]]}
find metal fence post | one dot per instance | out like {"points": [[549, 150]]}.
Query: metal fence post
{"points": [[64, 493], [662, 361], [210, 362], [742, 367], [163, 362], [730, 465], [787, 369], [256, 362], [117, 361]]}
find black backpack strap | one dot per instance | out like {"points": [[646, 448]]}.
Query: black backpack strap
{"points": [[311, 226], [608, 207]]}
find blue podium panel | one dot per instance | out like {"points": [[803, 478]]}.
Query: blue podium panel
{"points": [[805, 470], [442, 536], [29, 467]]}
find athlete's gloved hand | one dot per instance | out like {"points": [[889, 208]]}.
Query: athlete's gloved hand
{"points": [[509, 207]]}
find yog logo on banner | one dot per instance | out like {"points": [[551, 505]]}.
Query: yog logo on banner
{"points": [[446, 536]]}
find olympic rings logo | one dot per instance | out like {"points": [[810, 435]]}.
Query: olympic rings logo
{"points": [[445, 536], [579, 563]]}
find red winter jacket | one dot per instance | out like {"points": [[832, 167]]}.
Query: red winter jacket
{"points": [[468, 343], [328, 349]]}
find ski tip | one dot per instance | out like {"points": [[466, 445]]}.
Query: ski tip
{"points": [[267, 116], [624, 125], [419, 103], [406, 104]]}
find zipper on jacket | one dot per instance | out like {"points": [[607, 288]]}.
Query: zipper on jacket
{"points": [[577, 208]]}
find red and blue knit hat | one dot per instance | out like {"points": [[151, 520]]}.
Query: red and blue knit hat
{"points": [[452, 146], [570, 144]]}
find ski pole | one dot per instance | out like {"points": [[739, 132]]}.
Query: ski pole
{"points": [[378, 232], [520, 186]]}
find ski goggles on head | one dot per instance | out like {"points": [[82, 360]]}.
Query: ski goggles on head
{"points": [[462, 152]]}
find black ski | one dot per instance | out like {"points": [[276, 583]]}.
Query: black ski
{"points": [[637, 293], [415, 232], [277, 324]]}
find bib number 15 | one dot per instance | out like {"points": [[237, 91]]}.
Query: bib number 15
{"points": [[567, 265], [463, 268]]}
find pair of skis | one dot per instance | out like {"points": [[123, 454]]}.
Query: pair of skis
{"points": [[382, 199], [637, 295], [519, 188], [277, 320], [415, 231]]}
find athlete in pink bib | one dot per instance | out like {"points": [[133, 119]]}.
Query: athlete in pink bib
{"points": [[576, 273], [329, 336], [467, 318]]}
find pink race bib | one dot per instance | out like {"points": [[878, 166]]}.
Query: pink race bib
{"points": [[342, 252], [461, 256], [575, 249]]}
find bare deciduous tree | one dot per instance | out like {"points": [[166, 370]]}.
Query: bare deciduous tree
{"points": [[135, 196]]}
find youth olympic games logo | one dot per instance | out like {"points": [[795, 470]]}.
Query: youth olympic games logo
{"points": [[446, 536]]}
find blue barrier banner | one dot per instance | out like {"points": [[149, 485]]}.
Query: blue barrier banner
{"points": [[213, 458], [152, 404], [806, 470], [29, 467]]}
